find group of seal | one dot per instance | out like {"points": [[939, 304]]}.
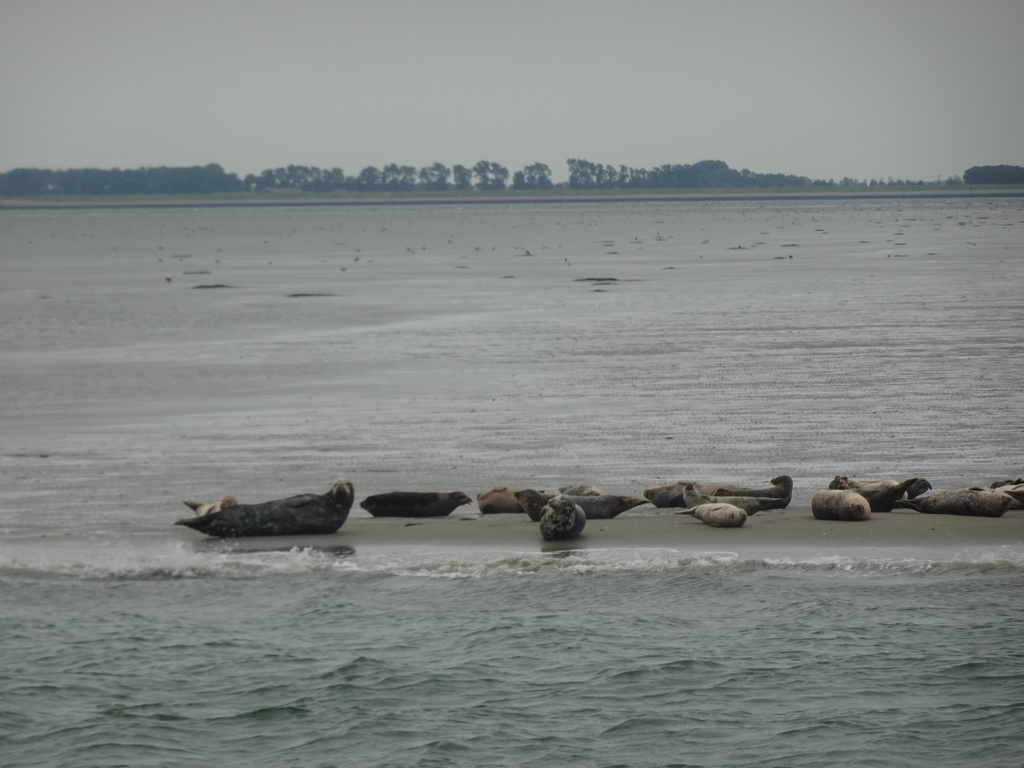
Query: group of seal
{"points": [[563, 515]]}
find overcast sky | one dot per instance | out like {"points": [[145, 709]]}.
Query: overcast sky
{"points": [[870, 89]]}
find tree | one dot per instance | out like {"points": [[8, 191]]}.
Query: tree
{"points": [[534, 176], [994, 174], [398, 177], [490, 175], [462, 178], [368, 179], [434, 176]]}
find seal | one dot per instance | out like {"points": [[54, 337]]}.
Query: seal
{"points": [[1013, 490], [1001, 483], [499, 500], [831, 504], [561, 519], [777, 496], [205, 509], [414, 503], [718, 515], [603, 507], [781, 488], [976, 502], [882, 495], [581, 490], [533, 501], [294, 516], [751, 505]]}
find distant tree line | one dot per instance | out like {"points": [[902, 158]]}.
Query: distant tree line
{"points": [[486, 175], [994, 174]]}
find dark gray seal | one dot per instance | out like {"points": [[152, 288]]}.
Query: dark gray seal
{"points": [[294, 516], [834, 504], [581, 490], [603, 507], [976, 502], [882, 495], [533, 502], [562, 520], [414, 503], [777, 496]]}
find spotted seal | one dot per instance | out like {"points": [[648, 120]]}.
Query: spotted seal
{"points": [[561, 519], [777, 496], [414, 503], [832, 504], [294, 516], [976, 502]]}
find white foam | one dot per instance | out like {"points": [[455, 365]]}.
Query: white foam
{"points": [[180, 560]]}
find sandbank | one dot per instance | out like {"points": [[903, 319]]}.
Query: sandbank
{"points": [[789, 532]]}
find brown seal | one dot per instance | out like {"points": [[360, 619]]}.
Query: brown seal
{"points": [[976, 502], [294, 516], [499, 500], [414, 503], [833, 504], [882, 495]]}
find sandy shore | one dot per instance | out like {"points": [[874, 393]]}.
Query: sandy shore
{"points": [[773, 534]]}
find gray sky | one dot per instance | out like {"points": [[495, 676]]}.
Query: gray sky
{"points": [[869, 89]]}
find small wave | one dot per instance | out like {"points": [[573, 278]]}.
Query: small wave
{"points": [[178, 560]]}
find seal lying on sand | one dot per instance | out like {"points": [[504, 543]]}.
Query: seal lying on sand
{"points": [[294, 516], [749, 504], [965, 501], [603, 507], [414, 503], [1013, 491], [581, 490], [205, 509], [777, 496], [882, 495], [718, 515], [839, 505], [561, 519], [501, 500]]}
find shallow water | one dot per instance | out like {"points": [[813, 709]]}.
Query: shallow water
{"points": [[459, 348]]}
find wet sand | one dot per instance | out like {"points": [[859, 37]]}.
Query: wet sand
{"points": [[789, 532]]}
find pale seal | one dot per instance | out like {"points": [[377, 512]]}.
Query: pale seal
{"points": [[882, 495], [561, 519], [749, 504], [833, 504], [976, 502], [294, 516], [718, 515], [603, 507], [205, 509], [499, 500], [414, 503]]}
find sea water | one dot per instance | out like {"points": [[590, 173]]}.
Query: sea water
{"points": [[405, 347]]}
